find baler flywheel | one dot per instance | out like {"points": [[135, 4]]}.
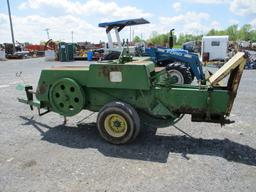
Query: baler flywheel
{"points": [[66, 97]]}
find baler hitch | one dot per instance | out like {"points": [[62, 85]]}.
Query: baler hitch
{"points": [[31, 102]]}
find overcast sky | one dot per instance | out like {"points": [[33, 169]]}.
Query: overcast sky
{"points": [[32, 17]]}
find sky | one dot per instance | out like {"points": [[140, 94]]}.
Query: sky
{"points": [[61, 17]]}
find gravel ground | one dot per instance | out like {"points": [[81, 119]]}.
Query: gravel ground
{"points": [[41, 154]]}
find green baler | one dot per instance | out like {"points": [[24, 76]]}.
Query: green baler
{"points": [[123, 90]]}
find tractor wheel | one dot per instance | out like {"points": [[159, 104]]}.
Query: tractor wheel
{"points": [[180, 72], [118, 123]]}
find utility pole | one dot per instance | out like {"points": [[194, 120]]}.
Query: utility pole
{"points": [[72, 34], [47, 32], [130, 33], [10, 18]]}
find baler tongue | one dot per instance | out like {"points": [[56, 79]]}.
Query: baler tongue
{"points": [[234, 67]]}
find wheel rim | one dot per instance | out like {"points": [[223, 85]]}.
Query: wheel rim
{"points": [[177, 76], [66, 97], [115, 125]]}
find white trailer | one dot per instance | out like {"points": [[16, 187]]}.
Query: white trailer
{"points": [[215, 48]]}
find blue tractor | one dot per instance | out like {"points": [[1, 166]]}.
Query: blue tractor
{"points": [[180, 64]]}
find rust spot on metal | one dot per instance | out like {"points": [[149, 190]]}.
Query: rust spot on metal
{"points": [[115, 68], [233, 84], [105, 70], [42, 89]]}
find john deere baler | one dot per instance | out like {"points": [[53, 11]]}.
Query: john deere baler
{"points": [[121, 90]]}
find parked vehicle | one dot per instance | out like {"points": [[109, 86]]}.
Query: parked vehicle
{"points": [[214, 48], [181, 64]]}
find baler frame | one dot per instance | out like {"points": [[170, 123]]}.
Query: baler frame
{"points": [[111, 89]]}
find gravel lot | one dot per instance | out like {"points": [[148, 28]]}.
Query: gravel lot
{"points": [[41, 154]]}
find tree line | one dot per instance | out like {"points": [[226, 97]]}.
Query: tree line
{"points": [[245, 33]]}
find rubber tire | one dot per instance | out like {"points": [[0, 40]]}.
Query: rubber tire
{"points": [[128, 112], [183, 70]]}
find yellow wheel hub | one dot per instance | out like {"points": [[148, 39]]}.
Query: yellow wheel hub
{"points": [[115, 125]]}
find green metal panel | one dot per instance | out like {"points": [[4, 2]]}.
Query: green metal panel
{"points": [[134, 77], [49, 76], [193, 100], [180, 100], [63, 52], [66, 51], [70, 51]]}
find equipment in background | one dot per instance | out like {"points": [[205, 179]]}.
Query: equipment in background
{"points": [[51, 50], [35, 50], [251, 60], [215, 48], [125, 90], [90, 55], [118, 26], [192, 46], [83, 48], [19, 52], [66, 52], [179, 63]]}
